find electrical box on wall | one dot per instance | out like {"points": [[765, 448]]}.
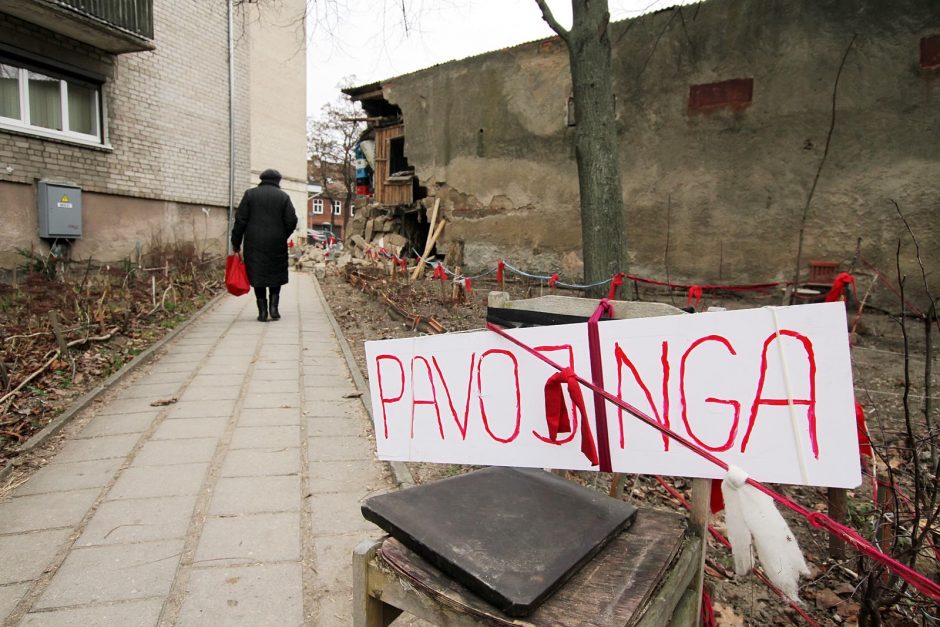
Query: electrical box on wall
{"points": [[60, 210]]}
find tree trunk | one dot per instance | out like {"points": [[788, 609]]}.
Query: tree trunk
{"points": [[596, 143]]}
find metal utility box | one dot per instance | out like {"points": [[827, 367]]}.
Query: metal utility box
{"points": [[60, 210]]}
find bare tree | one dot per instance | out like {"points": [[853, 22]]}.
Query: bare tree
{"points": [[596, 145], [331, 144]]}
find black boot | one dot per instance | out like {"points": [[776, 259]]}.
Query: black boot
{"points": [[262, 309], [275, 300]]}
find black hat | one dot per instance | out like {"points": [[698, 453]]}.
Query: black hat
{"points": [[271, 175]]}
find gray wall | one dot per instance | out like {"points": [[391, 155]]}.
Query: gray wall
{"points": [[726, 188]]}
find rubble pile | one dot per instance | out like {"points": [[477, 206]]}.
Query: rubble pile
{"points": [[375, 227]]}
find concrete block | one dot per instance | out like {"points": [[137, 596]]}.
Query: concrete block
{"points": [[143, 613], [253, 462], [263, 594], [350, 476], [252, 495], [138, 520], [117, 425], [46, 511], [103, 447], [250, 538], [265, 437], [10, 596], [74, 476], [190, 428], [192, 408], [271, 400], [151, 481], [113, 573], [337, 513], [339, 448], [278, 416], [167, 452], [25, 556]]}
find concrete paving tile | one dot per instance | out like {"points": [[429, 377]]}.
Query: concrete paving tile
{"points": [[25, 556], [210, 393], [277, 416], [11, 595], [336, 393], [339, 512], [279, 374], [190, 428], [291, 386], [252, 495], [256, 462], [151, 481], [335, 609], [224, 368], [217, 379], [362, 477], [348, 426], [102, 447], [265, 437], [46, 511], [150, 391], [333, 555], [167, 452], [333, 409], [161, 367], [113, 573], [263, 594], [143, 613], [152, 378], [265, 400], [138, 520], [317, 380], [202, 409], [248, 539], [339, 448], [121, 407], [116, 425], [74, 476]]}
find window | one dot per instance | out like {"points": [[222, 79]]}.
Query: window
{"points": [[44, 103], [317, 206], [352, 210], [337, 208]]}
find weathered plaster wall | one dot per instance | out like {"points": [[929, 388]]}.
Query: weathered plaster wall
{"points": [[726, 188], [128, 222]]}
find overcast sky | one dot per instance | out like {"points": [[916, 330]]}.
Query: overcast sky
{"points": [[368, 39]]}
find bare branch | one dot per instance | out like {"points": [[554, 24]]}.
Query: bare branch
{"points": [[549, 18]]}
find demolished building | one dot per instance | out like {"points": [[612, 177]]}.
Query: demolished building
{"points": [[728, 112]]}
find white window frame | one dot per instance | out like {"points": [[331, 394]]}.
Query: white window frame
{"points": [[352, 210], [23, 124], [317, 206], [337, 207]]}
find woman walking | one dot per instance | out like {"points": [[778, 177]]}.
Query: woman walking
{"points": [[265, 219]]}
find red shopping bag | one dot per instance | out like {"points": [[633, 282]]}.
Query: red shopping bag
{"points": [[236, 278]]}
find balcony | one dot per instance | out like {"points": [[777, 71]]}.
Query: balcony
{"points": [[115, 26]]}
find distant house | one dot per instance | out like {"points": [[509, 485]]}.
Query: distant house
{"points": [[125, 104], [326, 200]]}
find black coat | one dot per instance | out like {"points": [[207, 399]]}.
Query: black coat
{"points": [[265, 219]]}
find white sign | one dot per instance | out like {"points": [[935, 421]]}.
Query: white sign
{"points": [[768, 390]]}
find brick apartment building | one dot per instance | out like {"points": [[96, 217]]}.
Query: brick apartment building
{"points": [[129, 102]]}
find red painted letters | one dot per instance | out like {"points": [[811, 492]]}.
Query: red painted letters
{"points": [[385, 400], [733, 431]]}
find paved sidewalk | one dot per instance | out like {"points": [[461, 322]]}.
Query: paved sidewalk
{"points": [[236, 505]]}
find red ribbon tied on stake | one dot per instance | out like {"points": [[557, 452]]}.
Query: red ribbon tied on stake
{"points": [[439, 273], [864, 442], [695, 294], [839, 285], [500, 266], [552, 280], [615, 284], [556, 413], [468, 286], [403, 263]]}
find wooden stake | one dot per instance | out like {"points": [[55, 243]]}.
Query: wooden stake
{"points": [[838, 509], [433, 239], [429, 244]]}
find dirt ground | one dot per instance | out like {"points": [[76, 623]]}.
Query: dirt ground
{"points": [[830, 594]]}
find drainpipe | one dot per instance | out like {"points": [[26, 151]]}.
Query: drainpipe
{"points": [[231, 123]]}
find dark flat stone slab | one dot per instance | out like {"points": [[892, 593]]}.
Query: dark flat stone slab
{"points": [[511, 536]]}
